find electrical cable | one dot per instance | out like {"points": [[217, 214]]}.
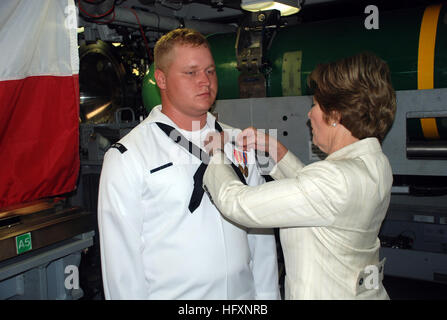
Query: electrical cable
{"points": [[142, 33], [95, 1], [112, 9], [108, 21]]}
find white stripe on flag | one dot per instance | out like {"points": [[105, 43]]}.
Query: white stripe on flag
{"points": [[30, 45]]}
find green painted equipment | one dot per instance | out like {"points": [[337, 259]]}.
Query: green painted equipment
{"points": [[406, 39], [149, 90]]}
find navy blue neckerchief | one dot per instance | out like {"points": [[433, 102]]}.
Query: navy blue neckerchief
{"points": [[177, 137]]}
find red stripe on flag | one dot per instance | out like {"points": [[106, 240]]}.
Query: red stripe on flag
{"points": [[39, 137]]}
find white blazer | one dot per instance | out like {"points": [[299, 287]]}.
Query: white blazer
{"points": [[329, 212], [152, 247]]}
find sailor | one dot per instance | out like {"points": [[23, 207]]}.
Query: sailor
{"points": [[161, 237]]}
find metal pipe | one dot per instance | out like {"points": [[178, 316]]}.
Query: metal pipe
{"points": [[427, 150], [168, 23]]}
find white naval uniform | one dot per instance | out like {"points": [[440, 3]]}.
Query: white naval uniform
{"points": [[153, 247]]}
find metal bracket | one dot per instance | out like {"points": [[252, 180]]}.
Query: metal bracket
{"points": [[254, 38]]}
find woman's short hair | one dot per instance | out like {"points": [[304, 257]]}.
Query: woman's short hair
{"points": [[357, 92], [166, 43]]}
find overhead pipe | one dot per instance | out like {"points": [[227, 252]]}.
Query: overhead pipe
{"points": [[108, 12], [157, 21]]}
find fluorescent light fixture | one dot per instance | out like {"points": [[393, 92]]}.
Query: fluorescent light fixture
{"points": [[286, 7]]}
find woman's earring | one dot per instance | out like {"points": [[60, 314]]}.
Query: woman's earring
{"points": [[334, 124]]}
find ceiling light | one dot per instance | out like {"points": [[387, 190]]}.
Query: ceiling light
{"points": [[286, 7]]}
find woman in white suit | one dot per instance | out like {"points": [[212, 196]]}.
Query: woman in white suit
{"points": [[329, 212]]}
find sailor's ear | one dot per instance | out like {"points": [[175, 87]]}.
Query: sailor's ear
{"points": [[160, 78]]}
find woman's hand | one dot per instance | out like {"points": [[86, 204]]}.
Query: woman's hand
{"points": [[252, 138]]}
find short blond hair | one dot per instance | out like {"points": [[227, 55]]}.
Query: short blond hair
{"points": [[167, 42]]}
